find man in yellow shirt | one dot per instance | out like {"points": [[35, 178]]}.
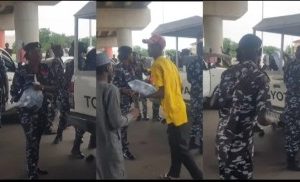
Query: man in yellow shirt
{"points": [[165, 77]]}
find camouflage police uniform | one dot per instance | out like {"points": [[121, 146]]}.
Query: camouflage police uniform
{"points": [[61, 95], [57, 70], [33, 123], [2, 82], [291, 114], [242, 95], [194, 76], [123, 75]]}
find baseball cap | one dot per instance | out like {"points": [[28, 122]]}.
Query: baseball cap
{"points": [[102, 59], [156, 39]]}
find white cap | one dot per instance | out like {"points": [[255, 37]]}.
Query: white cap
{"points": [[102, 59]]}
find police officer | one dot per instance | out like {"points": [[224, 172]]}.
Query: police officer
{"points": [[243, 97], [61, 96], [194, 77], [75, 152], [3, 89], [33, 122], [291, 114], [124, 73]]}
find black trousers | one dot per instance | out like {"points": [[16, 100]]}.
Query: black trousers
{"points": [[178, 137]]}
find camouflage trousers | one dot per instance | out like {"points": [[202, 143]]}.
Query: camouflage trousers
{"points": [[196, 116], [33, 126], [124, 130], [144, 105], [235, 160], [291, 121], [64, 108]]}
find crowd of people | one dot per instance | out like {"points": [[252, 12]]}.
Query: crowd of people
{"points": [[118, 105], [53, 81]]}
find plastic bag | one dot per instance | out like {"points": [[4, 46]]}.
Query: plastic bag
{"points": [[31, 99], [141, 87]]}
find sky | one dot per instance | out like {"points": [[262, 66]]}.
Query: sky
{"points": [[164, 12], [60, 18], [236, 29]]}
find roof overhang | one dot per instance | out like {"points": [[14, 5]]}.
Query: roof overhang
{"points": [[191, 27], [288, 25]]}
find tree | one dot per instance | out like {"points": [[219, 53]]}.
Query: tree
{"points": [[270, 49], [171, 53], [289, 50], [143, 52], [229, 47]]}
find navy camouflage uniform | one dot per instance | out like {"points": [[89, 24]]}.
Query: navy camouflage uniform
{"points": [[243, 93], [291, 114], [2, 82], [123, 75], [57, 69], [194, 77], [33, 123]]}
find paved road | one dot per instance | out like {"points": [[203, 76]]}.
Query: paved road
{"points": [[269, 157], [148, 142], [54, 158]]}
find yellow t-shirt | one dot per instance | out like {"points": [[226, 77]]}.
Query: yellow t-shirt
{"points": [[165, 73]]}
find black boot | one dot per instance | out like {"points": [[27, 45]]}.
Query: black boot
{"points": [[292, 164], [76, 153]]}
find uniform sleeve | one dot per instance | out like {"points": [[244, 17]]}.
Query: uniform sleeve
{"points": [[263, 98], [222, 94], [157, 77], [115, 118]]}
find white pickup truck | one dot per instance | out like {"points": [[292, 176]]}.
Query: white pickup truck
{"points": [[211, 80], [83, 96]]}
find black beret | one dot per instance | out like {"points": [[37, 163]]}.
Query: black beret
{"points": [[31, 46], [250, 41], [125, 50]]}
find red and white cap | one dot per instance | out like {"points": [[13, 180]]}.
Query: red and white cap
{"points": [[156, 39]]}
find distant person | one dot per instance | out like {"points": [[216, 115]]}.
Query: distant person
{"points": [[266, 66], [7, 49], [110, 160], [165, 77], [273, 66], [91, 60], [115, 60]]}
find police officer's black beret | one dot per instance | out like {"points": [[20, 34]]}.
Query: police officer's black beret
{"points": [[125, 50], [250, 41], [31, 46]]}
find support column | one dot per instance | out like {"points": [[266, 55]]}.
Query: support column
{"points": [[177, 62], [26, 21], [2, 38], [124, 37], [213, 34]]}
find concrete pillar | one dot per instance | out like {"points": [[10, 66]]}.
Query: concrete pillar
{"points": [[213, 34], [2, 38], [124, 37], [26, 22]]}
